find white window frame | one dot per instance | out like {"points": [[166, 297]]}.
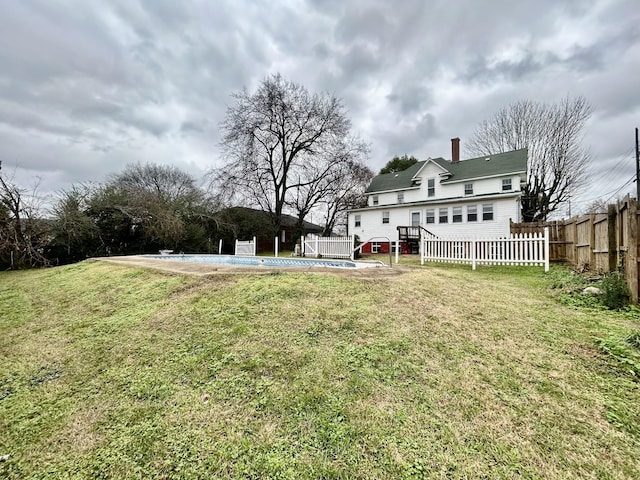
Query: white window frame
{"points": [[507, 185], [375, 247], [400, 197], [431, 187], [386, 218], [487, 209], [472, 210], [431, 211], [440, 217], [415, 212], [375, 200], [469, 190], [357, 220], [454, 215]]}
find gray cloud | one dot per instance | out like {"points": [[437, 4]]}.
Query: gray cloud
{"points": [[86, 88]]}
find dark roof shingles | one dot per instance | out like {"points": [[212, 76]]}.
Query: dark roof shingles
{"points": [[497, 164]]}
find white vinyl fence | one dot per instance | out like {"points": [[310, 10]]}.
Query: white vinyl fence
{"points": [[246, 247], [519, 249], [329, 247]]}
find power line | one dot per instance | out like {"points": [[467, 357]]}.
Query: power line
{"points": [[612, 193], [628, 182]]}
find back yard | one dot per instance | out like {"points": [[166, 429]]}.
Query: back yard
{"points": [[112, 371]]}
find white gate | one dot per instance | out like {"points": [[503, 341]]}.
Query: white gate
{"points": [[329, 247], [247, 247]]}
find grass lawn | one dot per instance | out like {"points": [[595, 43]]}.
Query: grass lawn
{"points": [[110, 371]]}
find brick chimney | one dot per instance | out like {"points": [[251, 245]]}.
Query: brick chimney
{"points": [[455, 150]]}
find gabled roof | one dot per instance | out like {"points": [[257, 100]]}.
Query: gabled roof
{"points": [[485, 166], [396, 181]]}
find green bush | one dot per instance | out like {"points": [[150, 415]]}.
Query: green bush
{"points": [[615, 291], [625, 349]]}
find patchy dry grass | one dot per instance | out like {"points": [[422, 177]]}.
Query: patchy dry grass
{"points": [[109, 371]]}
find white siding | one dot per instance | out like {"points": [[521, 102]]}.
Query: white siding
{"points": [[419, 193], [503, 209], [416, 199]]}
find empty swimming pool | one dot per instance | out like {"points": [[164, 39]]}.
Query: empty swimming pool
{"points": [[241, 261]]}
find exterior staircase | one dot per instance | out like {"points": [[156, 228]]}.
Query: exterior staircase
{"points": [[413, 235]]}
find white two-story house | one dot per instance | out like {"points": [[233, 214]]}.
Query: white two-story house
{"points": [[474, 198]]}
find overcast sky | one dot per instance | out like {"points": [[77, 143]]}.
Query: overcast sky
{"points": [[89, 86]]}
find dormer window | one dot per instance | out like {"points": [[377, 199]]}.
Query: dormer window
{"points": [[431, 187], [401, 197], [506, 184]]}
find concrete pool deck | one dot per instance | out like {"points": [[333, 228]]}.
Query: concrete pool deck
{"points": [[202, 269]]}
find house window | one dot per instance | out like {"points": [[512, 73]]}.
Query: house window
{"points": [[430, 215], [375, 247], [415, 219], [375, 199], [472, 213], [431, 187], [443, 215], [468, 188], [401, 198], [385, 217], [457, 215], [487, 211], [506, 184], [357, 219]]}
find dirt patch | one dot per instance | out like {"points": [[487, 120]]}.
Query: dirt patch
{"points": [[202, 269]]}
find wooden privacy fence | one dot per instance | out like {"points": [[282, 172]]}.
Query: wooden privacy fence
{"points": [[598, 242], [519, 249], [246, 247], [329, 247]]}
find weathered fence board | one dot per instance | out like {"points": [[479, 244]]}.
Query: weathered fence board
{"points": [[601, 242]]}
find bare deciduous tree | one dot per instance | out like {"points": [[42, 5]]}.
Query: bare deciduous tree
{"points": [[330, 185], [281, 144], [23, 231], [552, 133], [347, 191]]}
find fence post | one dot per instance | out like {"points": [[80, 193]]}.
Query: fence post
{"points": [[235, 252], [632, 252], [317, 251], [255, 246], [592, 241], [275, 244], [302, 240], [611, 233], [353, 247], [220, 247], [397, 250], [421, 250], [473, 254], [546, 249]]}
